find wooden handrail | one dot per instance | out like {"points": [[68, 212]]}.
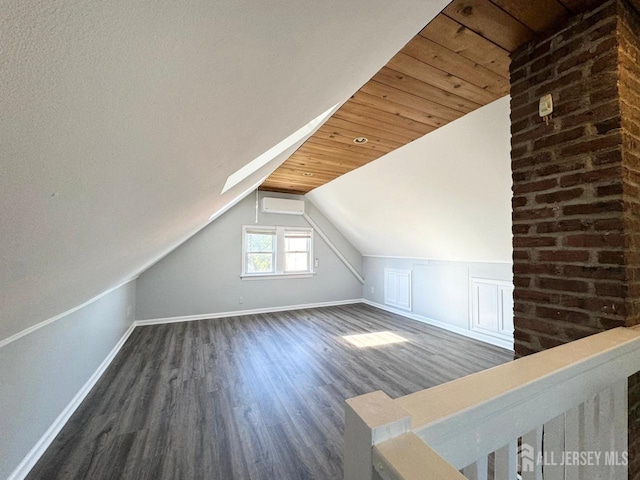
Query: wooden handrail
{"points": [[407, 457], [463, 421]]}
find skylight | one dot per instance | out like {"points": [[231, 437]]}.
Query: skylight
{"points": [[273, 152]]}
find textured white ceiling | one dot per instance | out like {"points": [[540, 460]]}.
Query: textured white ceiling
{"points": [[121, 120], [445, 196]]}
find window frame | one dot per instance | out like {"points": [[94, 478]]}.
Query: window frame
{"points": [[245, 254], [279, 253]]}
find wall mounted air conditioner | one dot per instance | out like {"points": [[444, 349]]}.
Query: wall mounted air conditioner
{"points": [[284, 206]]}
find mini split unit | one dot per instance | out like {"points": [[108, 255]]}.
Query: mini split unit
{"points": [[283, 206]]}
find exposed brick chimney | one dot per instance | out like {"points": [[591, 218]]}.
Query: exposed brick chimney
{"points": [[576, 184]]}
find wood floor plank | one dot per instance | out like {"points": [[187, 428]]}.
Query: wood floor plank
{"points": [[250, 397]]}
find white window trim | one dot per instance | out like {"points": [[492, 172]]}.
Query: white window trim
{"points": [[278, 254]]}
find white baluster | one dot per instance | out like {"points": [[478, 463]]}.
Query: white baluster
{"points": [[476, 471], [573, 427], [553, 445], [531, 448], [506, 467]]}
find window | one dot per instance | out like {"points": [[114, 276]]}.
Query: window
{"points": [[260, 251], [276, 251]]}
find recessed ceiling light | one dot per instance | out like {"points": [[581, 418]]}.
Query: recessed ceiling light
{"points": [[360, 140], [307, 174]]}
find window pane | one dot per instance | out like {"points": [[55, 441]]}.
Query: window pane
{"points": [[259, 263], [296, 262], [260, 242], [296, 244]]}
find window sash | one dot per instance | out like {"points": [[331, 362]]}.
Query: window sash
{"points": [[282, 260]]}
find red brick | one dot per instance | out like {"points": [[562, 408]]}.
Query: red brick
{"points": [[558, 138], [532, 214], [523, 242], [590, 146], [609, 190], [562, 284], [575, 225], [555, 168], [562, 314], [527, 268], [597, 271], [593, 176], [593, 240], [560, 196], [570, 256], [611, 257], [613, 225], [522, 229], [614, 289], [593, 208], [537, 186]]}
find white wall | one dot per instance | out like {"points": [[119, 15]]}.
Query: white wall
{"points": [[121, 121], [443, 205], [40, 373], [203, 275], [445, 196], [441, 290]]}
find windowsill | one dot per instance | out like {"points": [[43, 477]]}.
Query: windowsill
{"points": [[276, 276]]}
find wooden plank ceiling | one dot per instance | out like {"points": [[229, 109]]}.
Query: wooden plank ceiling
{"points": [[456, 64]]}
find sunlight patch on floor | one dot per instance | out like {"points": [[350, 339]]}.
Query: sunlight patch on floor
{"points": [[374, 339]]}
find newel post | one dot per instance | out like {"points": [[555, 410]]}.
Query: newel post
{"points": [[369, 420]]}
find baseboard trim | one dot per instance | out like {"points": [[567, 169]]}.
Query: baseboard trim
{"points": [[29, 461], [238, 313], [498, 342]]}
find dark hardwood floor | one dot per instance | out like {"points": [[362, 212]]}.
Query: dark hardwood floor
{"points": [[251, 397]]}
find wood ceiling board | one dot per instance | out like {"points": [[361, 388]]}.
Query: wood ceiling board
{"points": [[437, 56], [301, 180], [408, 65], [289, 174], [298, 182], [398, 109], [405, 83], [345, 137], [539, 16], [490, 21], [365, 121], [367, 131], [315, 167], [292, 174], [282, 189], [331, 148], [408, 100], [455, 36], [287, 187], [334, 155], [385, 118], [345, 148], [456, 64], [318, 161]]}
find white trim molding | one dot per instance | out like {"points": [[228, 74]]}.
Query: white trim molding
{"points": [[44, 323], [29, 461], [332, 246], [498, 342], [437, 261], [238, 313]]}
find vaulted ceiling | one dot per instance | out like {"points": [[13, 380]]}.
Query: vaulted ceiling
{"points": [[456, 64], [122, 120]]}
